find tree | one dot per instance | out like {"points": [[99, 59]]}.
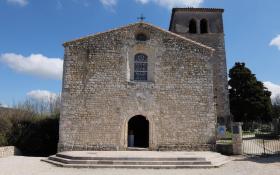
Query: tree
{"points": [[276, 107], [249, 99], [46, 106]]}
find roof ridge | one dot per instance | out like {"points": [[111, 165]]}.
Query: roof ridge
{"points": [[98, 33], [141, 22], [199, 9]]}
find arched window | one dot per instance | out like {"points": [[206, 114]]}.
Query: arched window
{"points": [[203, 26], [192, 26], [141, 67]]}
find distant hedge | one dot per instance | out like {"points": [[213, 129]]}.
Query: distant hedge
{"points": [[33, 136]]}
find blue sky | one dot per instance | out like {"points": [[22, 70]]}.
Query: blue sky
{"points": [[32, 33]]}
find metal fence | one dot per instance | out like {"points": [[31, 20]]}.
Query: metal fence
{"points": [[261, 139]]}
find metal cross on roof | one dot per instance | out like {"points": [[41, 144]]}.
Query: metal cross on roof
{"points": [[141, 18]]}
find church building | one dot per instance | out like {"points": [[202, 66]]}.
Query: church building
{"points": [[141, 86]]}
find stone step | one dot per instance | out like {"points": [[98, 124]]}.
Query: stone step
{"points": [[220, 161], [134, 158], [218, 158], [129, 166], [127, 162], [137, 149]]}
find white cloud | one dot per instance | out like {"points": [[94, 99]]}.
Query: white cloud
{"points": [[4, 105], [275, 42], [274, 88], [108, 3], [42, 95], [18, 2], [35, 64], [173, 3], [163, 3], [142, 1]]}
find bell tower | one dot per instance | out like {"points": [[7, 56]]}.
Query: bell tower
{"points": [[205, 25]]}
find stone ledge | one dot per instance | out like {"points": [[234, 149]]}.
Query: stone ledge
{"points": [[177, 147], [62, 147], [7, 151]]}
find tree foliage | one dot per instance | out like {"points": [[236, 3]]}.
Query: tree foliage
{"points": [[31, 126], [276, 107], [35, 137], [249, 99]]}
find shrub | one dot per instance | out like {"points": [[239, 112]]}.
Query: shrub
{"points": [[35, 136], [3, 140], [5, 128]]}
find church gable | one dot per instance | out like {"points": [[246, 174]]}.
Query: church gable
{"points": [[130, 32], [137, 52]]}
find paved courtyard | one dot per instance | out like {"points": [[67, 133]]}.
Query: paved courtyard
{"points": [[19, 165]]}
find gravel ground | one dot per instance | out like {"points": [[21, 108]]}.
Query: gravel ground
{"points": [[19, 165]]}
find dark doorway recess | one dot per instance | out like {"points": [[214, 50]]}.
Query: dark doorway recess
{"points": [[203, 26], [192, 26], [138, 126]]}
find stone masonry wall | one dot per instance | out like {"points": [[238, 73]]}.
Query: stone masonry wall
{"points": [[99, 97], [7, 151], [214, 39], [220, 78]]}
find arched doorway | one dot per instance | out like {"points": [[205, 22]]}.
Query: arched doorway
{"points": [[138, 132]]}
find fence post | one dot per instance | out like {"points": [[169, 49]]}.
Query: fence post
{"points": [[237, 138], [263, 147]]}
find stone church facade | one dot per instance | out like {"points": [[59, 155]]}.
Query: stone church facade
{"points": [[142, 86]]}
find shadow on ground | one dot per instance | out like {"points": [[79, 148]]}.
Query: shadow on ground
{"points": [[261, 159]]}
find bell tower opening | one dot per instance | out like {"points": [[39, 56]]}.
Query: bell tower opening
{"points": [[203, 26], [192, 26], [138, 132]]}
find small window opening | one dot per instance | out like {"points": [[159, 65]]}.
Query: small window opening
{"points": [[141, 37]]}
